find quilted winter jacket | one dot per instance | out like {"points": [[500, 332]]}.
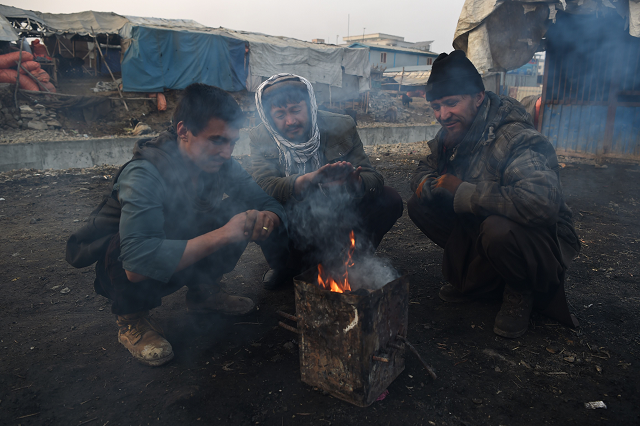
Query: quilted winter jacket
{"points": [[339, 141]]}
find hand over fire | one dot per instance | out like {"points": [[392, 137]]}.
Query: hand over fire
{"points": [[252, 225], [442, 188], [337, 174]]}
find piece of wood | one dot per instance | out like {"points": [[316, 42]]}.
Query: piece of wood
{"points": [[15, 94], [109, 68], [33, 77]]}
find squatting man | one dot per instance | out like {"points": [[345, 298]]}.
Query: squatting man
{"points": [[314, 164], [166, 224], [489, 194]]}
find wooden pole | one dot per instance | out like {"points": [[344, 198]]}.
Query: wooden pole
{"points": [[15, 94], [33, 77], [109, 68], [401, 78]]}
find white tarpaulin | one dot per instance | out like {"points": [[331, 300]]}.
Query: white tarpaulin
{"points": [[7, 33], [500, 35], [83, 23], [318, 63]]}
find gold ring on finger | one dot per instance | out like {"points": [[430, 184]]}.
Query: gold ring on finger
{"points": [[265, 228]]}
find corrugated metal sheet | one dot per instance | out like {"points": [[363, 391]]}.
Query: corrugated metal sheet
{"points": [[626, 131], [575, 128]]}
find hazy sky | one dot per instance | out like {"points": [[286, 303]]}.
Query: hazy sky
{"points": [[415, 20]]}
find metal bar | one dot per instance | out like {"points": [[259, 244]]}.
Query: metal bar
{"points": [[415, 352], [287, 316], [109, 68], [15, 94], [288, 327], [545, 84], [613, 106]]}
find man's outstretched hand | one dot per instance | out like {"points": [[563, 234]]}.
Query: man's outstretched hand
{"points": [[252, 225], [332, 175], [448, 182]]}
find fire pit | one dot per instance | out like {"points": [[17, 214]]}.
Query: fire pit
{"points": [[349, 344]]}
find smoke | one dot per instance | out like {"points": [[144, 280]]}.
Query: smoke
{"points": [[321, 224]]}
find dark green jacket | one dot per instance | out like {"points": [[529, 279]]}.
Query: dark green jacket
{"points": [[339, 141]]}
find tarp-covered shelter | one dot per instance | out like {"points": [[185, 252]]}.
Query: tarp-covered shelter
{"points": [[591, 90], [162, 54], [7, 33]]}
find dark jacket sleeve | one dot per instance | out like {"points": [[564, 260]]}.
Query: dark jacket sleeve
{"points": [[243, 188], [267, 171]]}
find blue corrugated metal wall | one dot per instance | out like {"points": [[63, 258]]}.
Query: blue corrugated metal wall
{"points": [[577, 128], [580, 128]]}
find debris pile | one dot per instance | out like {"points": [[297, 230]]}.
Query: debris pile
{"points": [[9, 116], [39, 118], [386, 106]]}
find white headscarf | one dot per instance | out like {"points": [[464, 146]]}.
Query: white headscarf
{"points": [[305, 154]]}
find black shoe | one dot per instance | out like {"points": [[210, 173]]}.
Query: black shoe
{"points": [[277, 278], [513, 319]]}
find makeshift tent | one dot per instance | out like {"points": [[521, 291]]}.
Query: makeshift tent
{"points": [[159, 58], [7, 33], [500, 35], [162, 54]]}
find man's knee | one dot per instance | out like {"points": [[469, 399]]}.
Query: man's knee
{"points": [[497, 235]]}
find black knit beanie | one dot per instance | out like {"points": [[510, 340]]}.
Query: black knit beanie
{"points": [[453, 74]]}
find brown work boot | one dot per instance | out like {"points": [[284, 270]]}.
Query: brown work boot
{"points": [[218, 302], [144, 339], [513, 319], [450, 294]]}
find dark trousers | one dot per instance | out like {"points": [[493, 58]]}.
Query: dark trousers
{"points": [[203, 276], [483, 255], [373, 218]]}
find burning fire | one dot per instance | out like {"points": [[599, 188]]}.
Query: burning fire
{"points": [[341, 284]]}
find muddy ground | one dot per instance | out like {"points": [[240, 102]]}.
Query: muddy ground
{"points": [[60, 362]]}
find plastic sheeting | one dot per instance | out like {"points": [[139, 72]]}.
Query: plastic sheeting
{"points": [[83, 23], [500, 35], [161, 58], [7, 33]]}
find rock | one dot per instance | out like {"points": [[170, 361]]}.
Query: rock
{"points": [[39, 106], [65, 290], [25, 109], [37, 125], [32, 221], [54, 123]]}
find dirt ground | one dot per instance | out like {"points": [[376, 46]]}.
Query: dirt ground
{"points": [[61, 364]]}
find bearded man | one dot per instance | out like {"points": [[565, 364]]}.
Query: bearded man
{"points": [[489, 194], [309, 160]]}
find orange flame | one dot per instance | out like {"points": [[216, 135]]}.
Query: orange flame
{"points": [[341, 284]]}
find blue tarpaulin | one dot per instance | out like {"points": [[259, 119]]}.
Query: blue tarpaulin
{"points": [[161, 58]]}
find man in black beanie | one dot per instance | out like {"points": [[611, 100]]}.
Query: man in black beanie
{"points": [[489, 194]]}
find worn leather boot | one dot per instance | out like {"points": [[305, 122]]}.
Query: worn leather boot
{"points": [[513, 319], [218, 302], [144, 339]]}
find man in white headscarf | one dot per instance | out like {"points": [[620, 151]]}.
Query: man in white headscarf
{"points": [[299, 152]]}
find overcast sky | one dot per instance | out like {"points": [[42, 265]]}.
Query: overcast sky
{"points": [[415, 20]]}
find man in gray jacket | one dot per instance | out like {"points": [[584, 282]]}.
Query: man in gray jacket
{"points": [[490, 195]]}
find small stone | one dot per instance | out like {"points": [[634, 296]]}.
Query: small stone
{"points": [[39, 106], [497, 370], [55, 287], [552, 349], [65, 290], [25, 108], [54, 123], [37, 125], [476, 401], [569, 358], [32, 221]]}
